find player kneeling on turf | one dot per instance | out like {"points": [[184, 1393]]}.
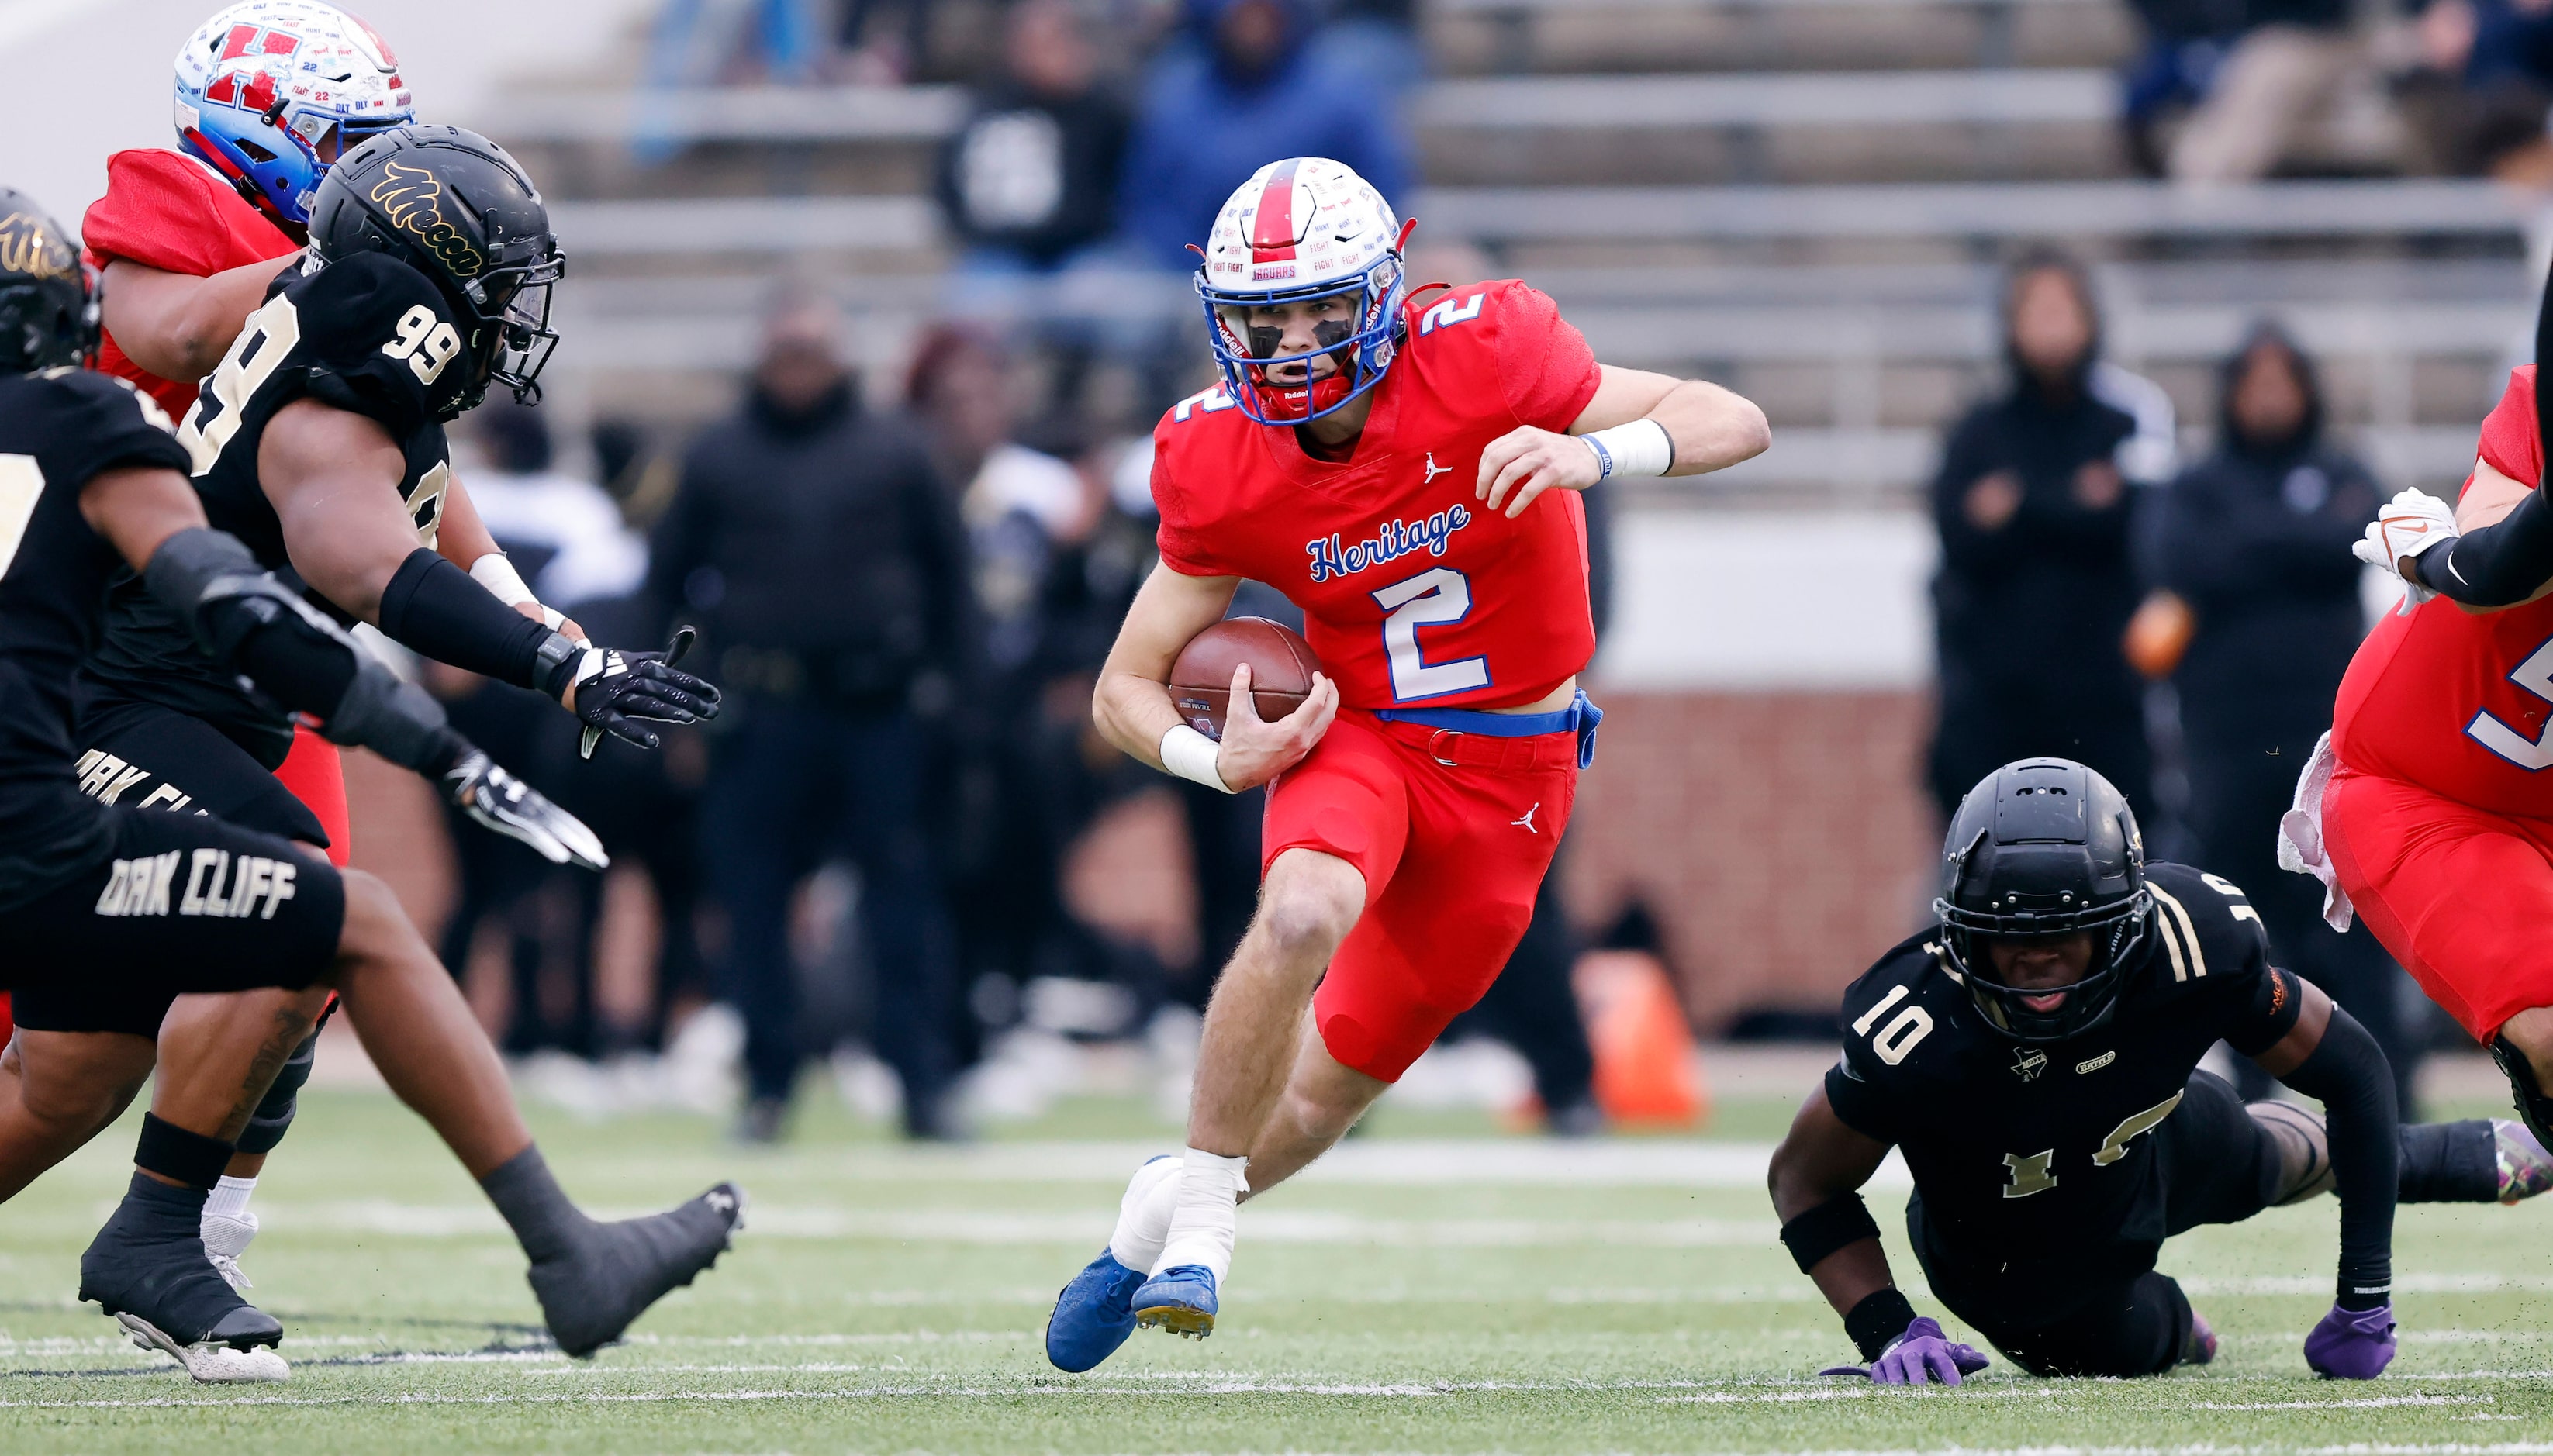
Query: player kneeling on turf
{"points": [[2035, 1054]]}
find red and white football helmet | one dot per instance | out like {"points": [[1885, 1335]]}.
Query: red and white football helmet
{"points": [[272, 92], [1303, 228]]}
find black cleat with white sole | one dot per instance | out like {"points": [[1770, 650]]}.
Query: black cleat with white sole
{"points": [[617, 1270], [149, 1263]]}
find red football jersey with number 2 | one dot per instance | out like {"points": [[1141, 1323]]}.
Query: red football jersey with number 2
{"points": [[1412, 592], [2458, 702]]}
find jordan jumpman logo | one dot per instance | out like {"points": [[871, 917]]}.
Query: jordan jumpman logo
{"points": [[1528, 821]]}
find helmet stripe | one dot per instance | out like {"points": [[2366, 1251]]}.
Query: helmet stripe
{"points": [[1272, 231]]}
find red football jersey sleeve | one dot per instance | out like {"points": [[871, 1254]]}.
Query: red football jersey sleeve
{"points": [[2458, 702], [2510, 441], [165, 210], [1411, 592]]}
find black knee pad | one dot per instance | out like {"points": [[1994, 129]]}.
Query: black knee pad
{"points": [[2532, 1105], [275, 1115]]}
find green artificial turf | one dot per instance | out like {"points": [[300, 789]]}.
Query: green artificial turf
{"points": [[887, 1300]]}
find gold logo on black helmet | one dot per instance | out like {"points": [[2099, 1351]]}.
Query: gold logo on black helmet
{"points": [[414, 198], [29, 246]]}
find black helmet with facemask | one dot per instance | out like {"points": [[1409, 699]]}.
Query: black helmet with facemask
{"points": [[2040, 848], [47, 304], [454, 206]]}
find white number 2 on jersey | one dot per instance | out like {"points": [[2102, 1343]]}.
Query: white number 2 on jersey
{"points": [[1433, 598], [2535, 675]]}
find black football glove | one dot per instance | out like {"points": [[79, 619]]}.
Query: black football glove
{"points": [[619, 692], [481, 787]]}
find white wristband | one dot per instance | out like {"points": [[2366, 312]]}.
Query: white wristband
{"points": [[1191, 755], [506, 584], [1640, 448]]}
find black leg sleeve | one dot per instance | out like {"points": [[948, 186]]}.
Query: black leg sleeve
{"points": [[2450, 1163], [2348, 1074], [265, 1127]]}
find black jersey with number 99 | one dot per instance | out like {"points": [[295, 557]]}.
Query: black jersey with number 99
{"points": [[367, 333]]}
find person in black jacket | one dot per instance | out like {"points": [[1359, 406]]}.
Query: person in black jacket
{"points": [[2035, 585], [1030, 180], [813, 545], [2255, 540]]}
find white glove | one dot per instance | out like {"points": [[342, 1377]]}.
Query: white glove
{"points": [[2410, 523]]}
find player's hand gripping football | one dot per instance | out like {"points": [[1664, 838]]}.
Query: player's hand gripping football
{"points": [[1254, 750], [1525, 462], [619, 692], [2410, 523], [481, 787]]}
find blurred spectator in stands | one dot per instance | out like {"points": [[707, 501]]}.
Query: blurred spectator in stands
{"points": [[1051, 592], [2483, 88], [2253, 84], [886, 61], [2255, 540], [2184, 44], [563, 534], [1030, 180], [2036, 587], [1244, 89], [1375, 41], [814, 547], [708, 43]]}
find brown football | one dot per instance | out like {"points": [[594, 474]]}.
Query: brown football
{"points": [[1281, 661]]}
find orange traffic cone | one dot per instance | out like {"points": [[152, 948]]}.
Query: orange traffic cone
{"points": [[1647, 1073]]}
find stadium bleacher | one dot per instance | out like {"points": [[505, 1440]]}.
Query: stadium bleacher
{"points": [[1822, 232]]}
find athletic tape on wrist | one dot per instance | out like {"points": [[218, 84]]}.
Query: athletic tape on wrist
{"points": [[1877, 1322], [499, 575], [1640, 448], [1830, 1226], [1191, 756], [172, 1151]]}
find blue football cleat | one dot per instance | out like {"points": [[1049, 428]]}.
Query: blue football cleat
{"points": [[1094, 1315], [1180, 1300]]}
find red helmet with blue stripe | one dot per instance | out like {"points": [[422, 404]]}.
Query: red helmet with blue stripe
{"points": [[272, 92], [1299, 231]]}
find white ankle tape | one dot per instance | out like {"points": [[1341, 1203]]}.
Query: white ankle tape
{"points": [[229, 1197], [1144, 1214], [1203, 1224]]}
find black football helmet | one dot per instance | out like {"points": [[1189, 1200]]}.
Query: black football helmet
{"points": [[48, 301], [2044, 847], [451, 204]]}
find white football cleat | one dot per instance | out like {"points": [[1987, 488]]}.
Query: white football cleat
{"points": [[226, 1237], [210, 1365]]}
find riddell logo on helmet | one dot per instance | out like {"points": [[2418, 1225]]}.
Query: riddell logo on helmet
{"points": [[414, 198], [28, 246]]}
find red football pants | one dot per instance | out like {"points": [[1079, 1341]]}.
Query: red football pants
{"points": [[1452, 854], [2463, 897], [315, 773]]}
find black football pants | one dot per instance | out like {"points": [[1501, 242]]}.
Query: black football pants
{"points": [[2104, 1311]]}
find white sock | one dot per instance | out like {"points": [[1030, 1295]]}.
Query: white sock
{"points": [[1202, 1226], [228, 1226], [1143, 1217], [229, 1197]]}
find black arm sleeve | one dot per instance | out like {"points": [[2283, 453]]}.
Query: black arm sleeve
{"points": [[433, 606], [2348, 1074], [2494, 566], [251, 623]]}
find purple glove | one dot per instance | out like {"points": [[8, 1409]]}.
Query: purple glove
{"points": [[1919, 1352], [2351, 1344]]}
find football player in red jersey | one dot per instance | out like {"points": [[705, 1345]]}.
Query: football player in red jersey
{"points": [[268, 94], [2427, 809], [1405, 469]]}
